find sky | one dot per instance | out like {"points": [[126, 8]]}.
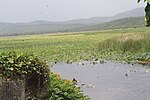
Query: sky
{"points": [[61, 10]]}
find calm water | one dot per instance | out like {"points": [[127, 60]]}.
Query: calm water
{"points": [[109, 81]]}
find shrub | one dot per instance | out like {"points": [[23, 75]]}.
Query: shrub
{"points": [[40, 83], [63, 90], [33, 71]]}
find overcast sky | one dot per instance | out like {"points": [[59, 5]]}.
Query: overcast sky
{"points": [[61, 10]]}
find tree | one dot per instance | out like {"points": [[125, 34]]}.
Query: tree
{"points": [[147, 11], [144, 1]]}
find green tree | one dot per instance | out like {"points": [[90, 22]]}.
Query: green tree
{"points": [[147, 10]]}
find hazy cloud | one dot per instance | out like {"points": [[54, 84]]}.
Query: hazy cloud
{"points": [[60, 10]]}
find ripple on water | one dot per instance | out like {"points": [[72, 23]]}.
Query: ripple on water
{"points": [[109, 81]]}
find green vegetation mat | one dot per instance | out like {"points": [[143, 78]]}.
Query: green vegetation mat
{"points": [[131, 45]]}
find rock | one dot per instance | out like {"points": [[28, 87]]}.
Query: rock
{"points": [[126, 74], [90, 86]]}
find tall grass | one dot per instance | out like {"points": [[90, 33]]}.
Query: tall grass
{"points": [[132, 46], [133, 43]]}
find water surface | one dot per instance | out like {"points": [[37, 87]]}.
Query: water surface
{"points": [[109, 81]]}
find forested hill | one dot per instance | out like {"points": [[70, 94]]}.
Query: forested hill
{"points": [[128, 19]]}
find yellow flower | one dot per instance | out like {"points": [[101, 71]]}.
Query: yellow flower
{"points": [[70, 81], [58, 77], [65, 81]]}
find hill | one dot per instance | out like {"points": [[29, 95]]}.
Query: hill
{"points": [[121, 20], [137, 12], [131, 22]]}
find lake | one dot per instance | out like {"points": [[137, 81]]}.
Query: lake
{"points": [[108, 80]]}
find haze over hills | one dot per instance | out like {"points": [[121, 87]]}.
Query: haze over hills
{"points": [[131, 18], [138, 12], [129, 22]]}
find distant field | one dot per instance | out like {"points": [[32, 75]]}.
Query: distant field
{"points": [[92, 45]]}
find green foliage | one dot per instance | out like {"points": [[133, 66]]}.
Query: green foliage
{"points": [[143, 58], [133, 44], [147, 16], [144, 1], [33, 71], [63, 90], [39, 82], [147, 11], [72, 47]]}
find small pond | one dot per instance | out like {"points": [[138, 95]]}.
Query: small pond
{"points": [[110, 80]]}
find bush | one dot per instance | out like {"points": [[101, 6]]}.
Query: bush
{"points": [[33, 71], [40, 84], [63, 90]]}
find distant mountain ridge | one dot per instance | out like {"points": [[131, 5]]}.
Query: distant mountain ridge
{"points": [[94, 23], [130, 22], [137, 12]]}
